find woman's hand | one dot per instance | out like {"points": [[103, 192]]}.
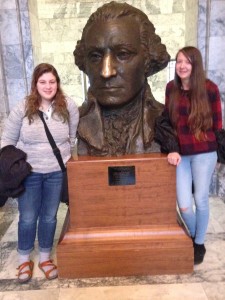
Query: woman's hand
{"points": [[174, 158]]}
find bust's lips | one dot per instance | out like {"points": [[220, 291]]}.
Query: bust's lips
{"points": [[110, 88]]}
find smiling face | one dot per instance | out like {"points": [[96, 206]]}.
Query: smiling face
{"points": [[47, 86], [115, 61], [183, 67]]}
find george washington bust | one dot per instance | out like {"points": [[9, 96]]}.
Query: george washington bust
{"points": [[118, 50]]}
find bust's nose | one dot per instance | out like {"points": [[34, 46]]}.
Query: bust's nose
{"points": [[108, 66]]}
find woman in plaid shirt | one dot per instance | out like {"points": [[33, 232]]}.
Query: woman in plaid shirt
{"points": [[194, 108]]}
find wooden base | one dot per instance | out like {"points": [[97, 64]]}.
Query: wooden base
{"points": [[122, 230], [119, 252]]}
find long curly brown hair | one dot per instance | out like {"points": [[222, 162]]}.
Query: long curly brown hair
{"points": [[34, 99], [200, 113]]}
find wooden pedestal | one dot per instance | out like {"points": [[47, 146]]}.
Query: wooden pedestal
{"points": [[122, 219]]}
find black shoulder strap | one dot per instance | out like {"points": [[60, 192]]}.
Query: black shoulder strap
{"points": [[55, 149]]}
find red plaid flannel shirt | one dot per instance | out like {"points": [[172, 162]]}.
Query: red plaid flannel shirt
{"points": [[188, 143]]}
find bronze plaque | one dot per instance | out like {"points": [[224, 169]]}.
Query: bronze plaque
{"points": [[124, 175]]}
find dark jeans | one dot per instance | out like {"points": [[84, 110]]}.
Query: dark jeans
{"points": [[38, 207]]}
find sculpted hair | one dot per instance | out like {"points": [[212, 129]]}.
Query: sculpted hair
{"points": [[157, 57], [200, 116], [33, 100]]}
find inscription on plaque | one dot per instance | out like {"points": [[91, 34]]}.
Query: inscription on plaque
{"points": [[124, 175]]}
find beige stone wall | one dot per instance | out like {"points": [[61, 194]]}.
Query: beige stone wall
{"points": [[60, 25], [191, 21], [34, 27]]}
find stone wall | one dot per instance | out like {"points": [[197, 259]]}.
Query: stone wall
{"points": [[211, 35], [16, 62], [4, 109], [211, 42], [35, 32]]}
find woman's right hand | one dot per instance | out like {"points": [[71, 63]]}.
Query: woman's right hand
{"points": [[174, 158]]}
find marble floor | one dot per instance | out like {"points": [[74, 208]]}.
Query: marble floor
{"points": [[206, 282]]}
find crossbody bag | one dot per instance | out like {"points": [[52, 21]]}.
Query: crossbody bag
{"points": [[64, 192]]}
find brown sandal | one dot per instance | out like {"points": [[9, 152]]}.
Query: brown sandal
{"points": [[29, 272], [48, 263]]}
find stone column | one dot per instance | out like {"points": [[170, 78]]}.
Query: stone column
{"points": [[4, 109], [16, 62], [211, 34]]}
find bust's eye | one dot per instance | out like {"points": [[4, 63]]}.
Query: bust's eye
{"points": [[94, 56], [124, 55]]}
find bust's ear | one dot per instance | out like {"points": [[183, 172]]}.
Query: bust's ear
{"points": [[146, 65]]}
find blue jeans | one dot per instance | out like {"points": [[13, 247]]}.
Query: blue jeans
{"points": [[197, 169], [38, 207]]}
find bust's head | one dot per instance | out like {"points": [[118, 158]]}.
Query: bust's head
{"points": [[118, 50]]}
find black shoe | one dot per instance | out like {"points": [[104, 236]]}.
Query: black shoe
{"points": [[199, 253]]}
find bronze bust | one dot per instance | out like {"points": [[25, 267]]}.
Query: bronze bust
{"points": [[118, 50]]}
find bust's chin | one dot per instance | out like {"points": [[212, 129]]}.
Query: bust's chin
{"points": [[113, 102]]}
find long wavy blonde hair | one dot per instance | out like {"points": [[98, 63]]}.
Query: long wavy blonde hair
{"points": [[34, 99]]}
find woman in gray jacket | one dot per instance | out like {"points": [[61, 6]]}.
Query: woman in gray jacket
{"points": [[39, 203]]}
